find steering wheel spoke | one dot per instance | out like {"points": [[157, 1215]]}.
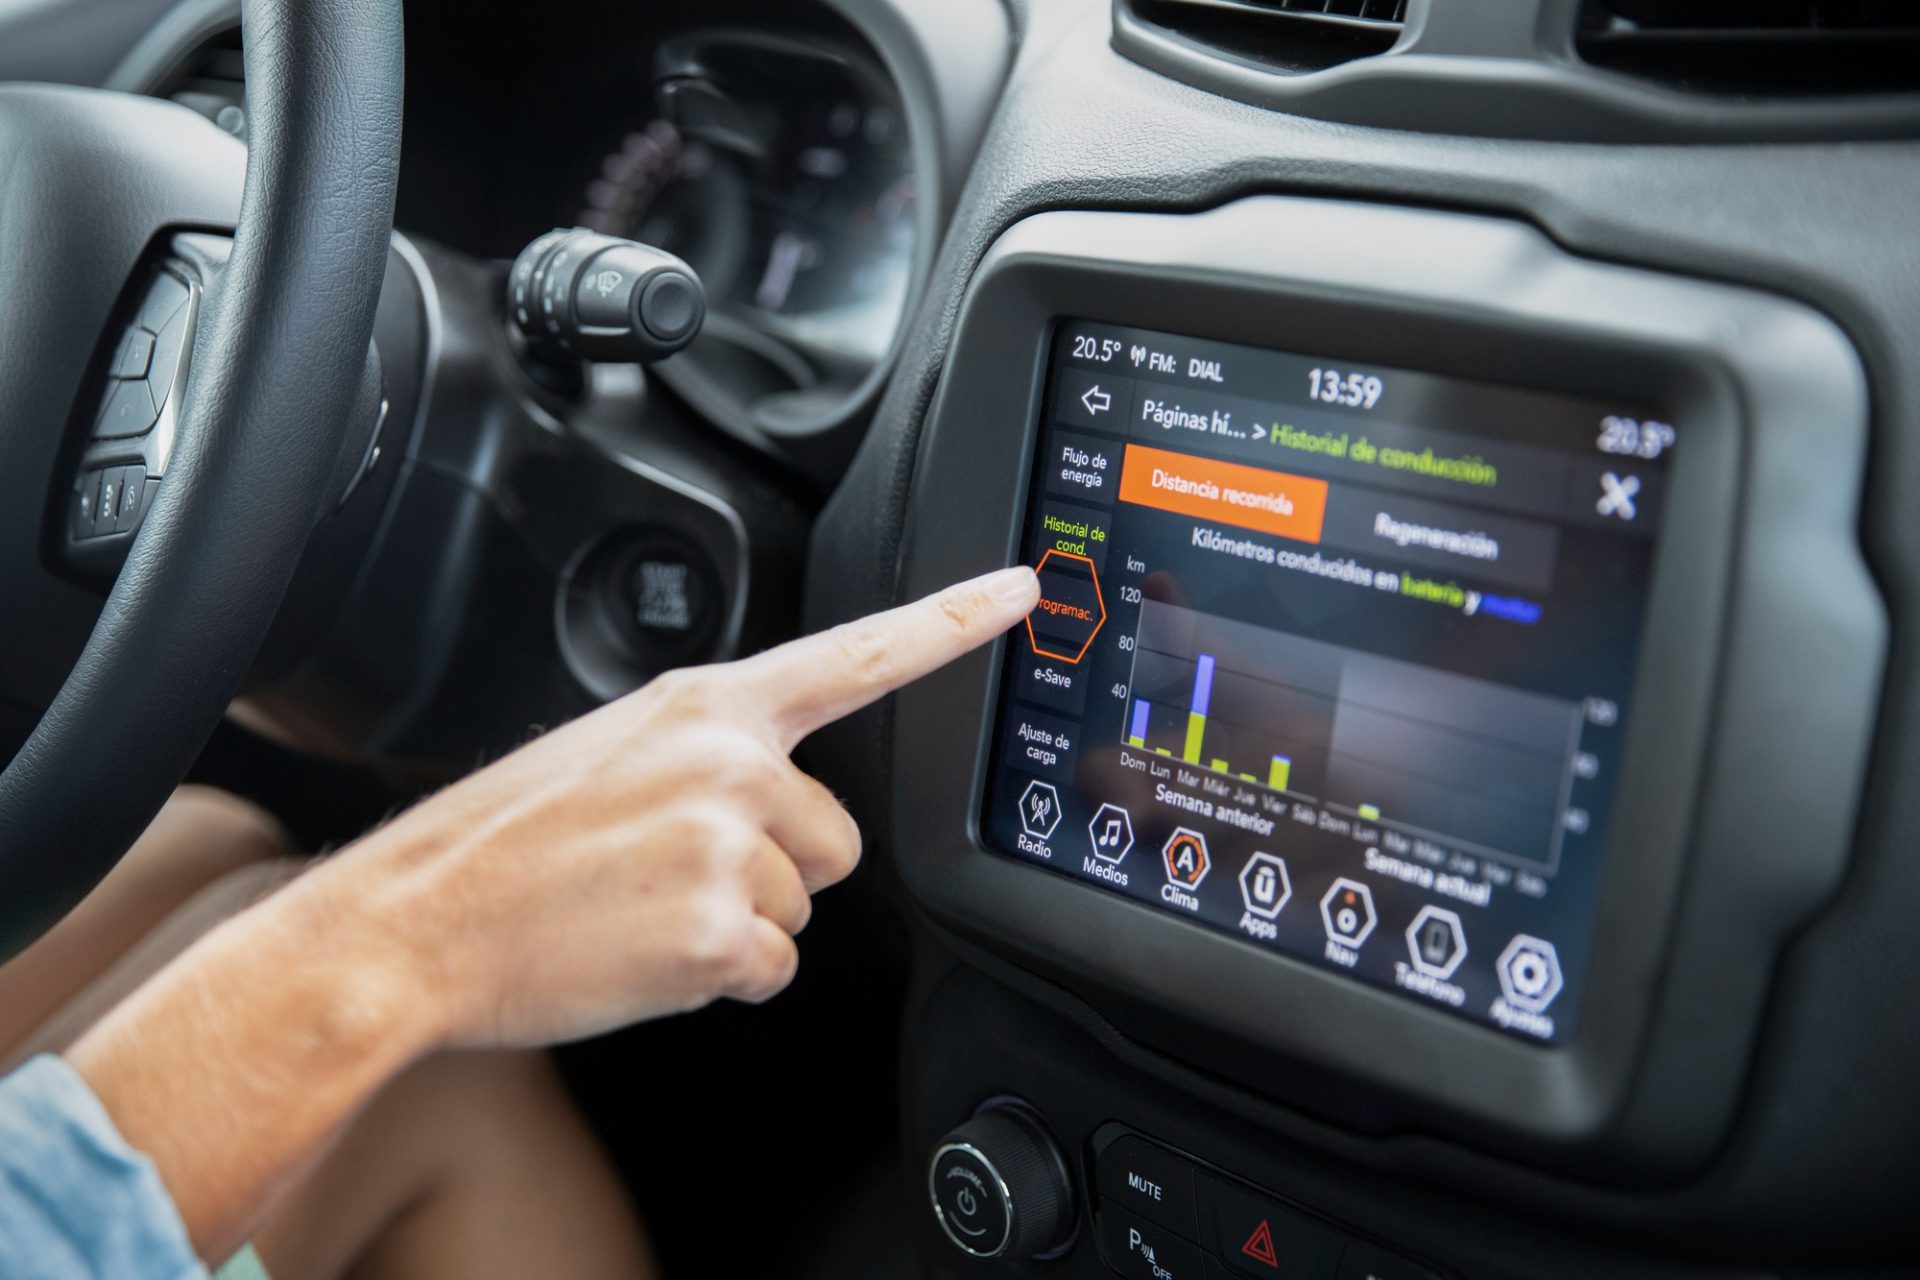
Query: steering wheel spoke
{"points": [[258, 369]]}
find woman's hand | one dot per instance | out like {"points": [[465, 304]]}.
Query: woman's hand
{"points": [[648, 858], [656, 854]]}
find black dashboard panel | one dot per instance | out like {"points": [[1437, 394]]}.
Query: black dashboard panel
{"points": [[1768, 479], [1082, 126]]}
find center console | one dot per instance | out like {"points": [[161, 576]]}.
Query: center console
{"points": [[1451, 686]]}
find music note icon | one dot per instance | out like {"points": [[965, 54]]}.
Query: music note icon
{"points": [[1111, 832]]}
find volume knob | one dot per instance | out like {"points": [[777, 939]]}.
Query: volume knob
{"points": [[1001, 1188]]}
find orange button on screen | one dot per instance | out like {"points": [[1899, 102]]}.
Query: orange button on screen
{"points": [[1225, 492]]}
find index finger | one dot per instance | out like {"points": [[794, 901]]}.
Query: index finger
{"points": [[815, 680]]}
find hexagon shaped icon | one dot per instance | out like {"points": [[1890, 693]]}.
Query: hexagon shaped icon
{"points": [[1039, 809], [1347, 912], [1264, 885], [1529, 972], [1111, 832], [1436, 942], [1185, 855], [1072, 619]]}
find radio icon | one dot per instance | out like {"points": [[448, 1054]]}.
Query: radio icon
{"points": [[1039, 810]]}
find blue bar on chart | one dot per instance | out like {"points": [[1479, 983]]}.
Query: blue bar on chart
{"points": [[1197, 708], [1137, 735]]}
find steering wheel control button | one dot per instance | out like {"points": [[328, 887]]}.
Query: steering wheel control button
{"points": [[1436, 942], [133, 496], [1349, 918], [1530, 980], [168, 349], [1187, 864], [1039, 809], [128, 410], [1111, 834], [107, 505], [1263, 1239], [1139, 1250], [165, 296], [1264, 888], [1000, 1187], [971, 1201], [1150, 1182], [86, 501], [131, 357]]}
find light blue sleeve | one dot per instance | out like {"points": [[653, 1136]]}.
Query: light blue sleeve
{"points": [[75, 1199]]}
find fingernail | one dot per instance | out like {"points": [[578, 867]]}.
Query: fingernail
{"points": [[1011, 585]]}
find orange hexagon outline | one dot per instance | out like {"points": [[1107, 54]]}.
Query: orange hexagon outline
{"points": [[1206, 856], [1098, 595]]}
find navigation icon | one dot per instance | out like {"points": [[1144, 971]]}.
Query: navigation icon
{"points": [[1096, 400], [1186, 857], [1111, 832], [1264, 885], [1529, 972], [1436, 942], [1347, 912], [1039, 810]]}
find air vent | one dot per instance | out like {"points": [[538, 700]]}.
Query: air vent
{"points": [[1783, 47], [212, 80], [1290, 36]]}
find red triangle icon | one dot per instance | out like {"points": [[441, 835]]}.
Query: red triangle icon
{"points": [[1259, 1245]]}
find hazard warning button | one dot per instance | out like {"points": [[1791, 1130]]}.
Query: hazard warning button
{"points": [[1260, 1238]]}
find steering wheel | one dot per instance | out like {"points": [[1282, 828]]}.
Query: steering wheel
{"points": [[93, 182]]}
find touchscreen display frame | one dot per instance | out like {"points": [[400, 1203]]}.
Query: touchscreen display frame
{"points": [[1770, 392], [1404, 737]]}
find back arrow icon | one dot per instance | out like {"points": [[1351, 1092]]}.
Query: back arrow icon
{"points": [[1096, 400]]}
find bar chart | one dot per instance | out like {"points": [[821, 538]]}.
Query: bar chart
{"points": [[1469, 762]]}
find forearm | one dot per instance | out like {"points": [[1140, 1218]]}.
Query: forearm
{"points": [[235, 1067]]}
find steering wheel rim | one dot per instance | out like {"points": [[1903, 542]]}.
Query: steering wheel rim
{"points": [[277, 362]]}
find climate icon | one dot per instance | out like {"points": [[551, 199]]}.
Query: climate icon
{"points": [[1186, 857]]}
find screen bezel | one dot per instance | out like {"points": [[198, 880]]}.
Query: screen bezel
{"points": [[1573, 917], [1475, 298]]}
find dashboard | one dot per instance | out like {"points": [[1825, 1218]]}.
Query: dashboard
{"points": [[1449, 815]]}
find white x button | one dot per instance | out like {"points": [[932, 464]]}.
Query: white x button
{"points": [[1617, 494]]}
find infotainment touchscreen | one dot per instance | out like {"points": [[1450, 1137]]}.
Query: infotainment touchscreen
{"points": [[1332, 657]]}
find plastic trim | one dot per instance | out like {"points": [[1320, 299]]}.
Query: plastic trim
{"points": [[1506, 69], [1761, 615]]}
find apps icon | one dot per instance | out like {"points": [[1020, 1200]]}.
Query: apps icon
{"points": [[1111, 832], [1529, 971], [1264, 885], [1436, 942], [1039, 809], [1347, 912], [1185, 854]]}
